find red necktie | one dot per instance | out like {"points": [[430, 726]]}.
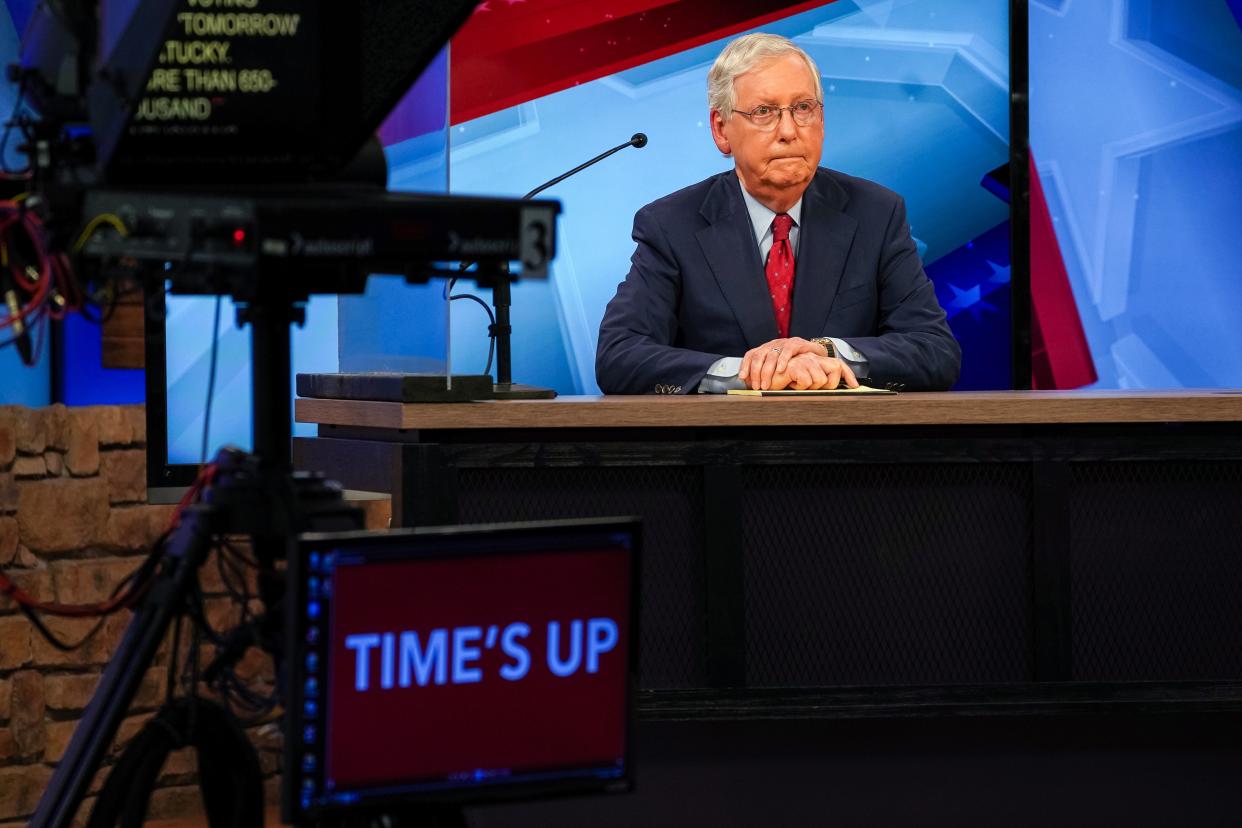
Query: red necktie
{"points": [[780, 271]]}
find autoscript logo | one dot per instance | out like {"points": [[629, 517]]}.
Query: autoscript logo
{"points": [[478, 245], [301, 246]]}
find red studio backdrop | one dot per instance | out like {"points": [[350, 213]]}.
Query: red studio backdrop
{"points": [[1054, 313], [512, 51], [473, 686]]}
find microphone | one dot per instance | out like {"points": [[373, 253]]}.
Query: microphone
{"points": [[638, 140], [500, 329]]}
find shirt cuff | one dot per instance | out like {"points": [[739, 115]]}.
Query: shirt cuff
{"points": [[848, 354], [722, 376]]}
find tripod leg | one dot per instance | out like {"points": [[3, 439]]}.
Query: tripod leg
{"points": [[187, 549]]}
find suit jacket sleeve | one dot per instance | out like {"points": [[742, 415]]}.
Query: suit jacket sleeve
{"points": [[638, 349], [913, 344]]}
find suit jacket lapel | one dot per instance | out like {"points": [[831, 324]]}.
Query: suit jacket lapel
{"points": [[728, 242], [824, 241]]}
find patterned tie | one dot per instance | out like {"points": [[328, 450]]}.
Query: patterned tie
{"points": [[780, 271]]}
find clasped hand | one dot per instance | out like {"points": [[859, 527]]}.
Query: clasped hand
{"points": [[794, 363]]}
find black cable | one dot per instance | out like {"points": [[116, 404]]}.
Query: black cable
{"points": [[491, 327], [51, 638], [141, 574], [230, 777], [198, 615], [113, 299], [241, 556], [491, 316], [226, 570], [173, 655], [236, 693], [192, 690], [211, 379], [15, 339], [8, 127]]}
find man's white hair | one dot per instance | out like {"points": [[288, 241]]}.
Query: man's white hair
{"points": [[744, 54]]}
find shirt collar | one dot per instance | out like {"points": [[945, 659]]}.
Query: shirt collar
{"points": [[761, 217]]}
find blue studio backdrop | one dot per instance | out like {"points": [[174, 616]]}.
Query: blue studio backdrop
{"points": [[1136, 129]]}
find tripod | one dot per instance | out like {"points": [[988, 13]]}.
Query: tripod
{"points": [[255, 495]]}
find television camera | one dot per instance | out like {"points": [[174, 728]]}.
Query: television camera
{"points": [[225, 147]]}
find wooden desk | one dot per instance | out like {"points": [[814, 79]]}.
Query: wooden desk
{"points": [[711, 411], [1043, 540]]}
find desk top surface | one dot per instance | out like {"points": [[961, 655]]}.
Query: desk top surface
{"points": [[699, 411]]}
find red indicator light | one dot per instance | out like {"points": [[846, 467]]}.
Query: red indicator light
{"points": [[239, 237]]}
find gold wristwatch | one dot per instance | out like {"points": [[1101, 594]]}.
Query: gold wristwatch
{"points": [[828, 346]]}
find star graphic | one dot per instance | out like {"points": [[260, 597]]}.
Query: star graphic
{"points": [[970, 299], [1000, 275], [1155, 100], [963, 299]]}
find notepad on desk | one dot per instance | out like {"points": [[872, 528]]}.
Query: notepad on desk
{"points": [[822, 392]]}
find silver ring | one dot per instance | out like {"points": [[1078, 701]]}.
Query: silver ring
{"points": [[777, 350]]}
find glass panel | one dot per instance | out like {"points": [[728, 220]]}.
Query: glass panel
{"points": [[395, 326]]}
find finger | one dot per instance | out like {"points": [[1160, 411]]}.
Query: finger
{"points": [[819, 377], [808, 371], [790, 348], [799, 376], [832, 370], [768, 369], [746, 360], [754, 357], [781, 382], [754, 373], [847, 376]]}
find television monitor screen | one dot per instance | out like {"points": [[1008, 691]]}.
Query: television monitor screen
{"points": [[242, 94], [460, 663]]}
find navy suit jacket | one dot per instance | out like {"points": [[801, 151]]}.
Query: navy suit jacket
{"points": [[696, 289]]}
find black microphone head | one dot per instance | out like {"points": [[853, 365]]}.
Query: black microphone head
{"points": [[639, 140]]}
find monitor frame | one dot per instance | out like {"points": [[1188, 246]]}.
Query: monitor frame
{"points": [[439, 542]]}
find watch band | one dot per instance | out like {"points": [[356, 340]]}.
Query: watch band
{"points": [[828, 345]]}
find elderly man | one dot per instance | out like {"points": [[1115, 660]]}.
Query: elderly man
{"points": [[779, 273]]}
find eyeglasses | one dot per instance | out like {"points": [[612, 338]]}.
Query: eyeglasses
{"points": [[766, 117]]}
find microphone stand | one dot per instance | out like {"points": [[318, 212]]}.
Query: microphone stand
{"points": [[505, 388]]}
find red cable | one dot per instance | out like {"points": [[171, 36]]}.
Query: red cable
{"points": [[117, 602]]}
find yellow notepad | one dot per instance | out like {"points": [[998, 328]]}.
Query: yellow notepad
{"points": [[823, 392]]}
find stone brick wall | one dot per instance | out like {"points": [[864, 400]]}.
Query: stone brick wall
{"points": [[73, 523]]}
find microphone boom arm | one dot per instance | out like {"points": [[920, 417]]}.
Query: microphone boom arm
{"points": [[639, 140], [505, 388]]}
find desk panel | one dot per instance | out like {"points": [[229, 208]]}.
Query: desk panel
{"points": [[787, 551]]}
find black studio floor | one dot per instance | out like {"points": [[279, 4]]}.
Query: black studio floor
{"points": [[1075, 769]]}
